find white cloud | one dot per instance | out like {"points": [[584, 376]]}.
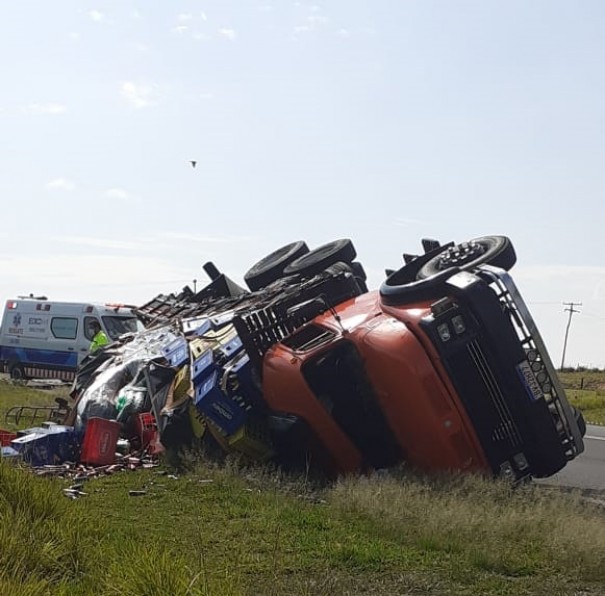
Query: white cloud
{"points": [[61, 184], [344, 33], [73, 36], [99, 242], [549, 272], [230, 34], [39, 109], [183, 236], [95, 277], [407, 221], [96, 16], [180, 29], [317, 20], [201, 36], [184, 17], [119, 194], [312, 23], [140, 47], [138, 95], [203, 16]]}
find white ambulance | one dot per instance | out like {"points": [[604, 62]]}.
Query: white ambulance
{"points": [[40, 338]]}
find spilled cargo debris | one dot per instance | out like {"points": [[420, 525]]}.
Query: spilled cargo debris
{"points": [[442, 367]]}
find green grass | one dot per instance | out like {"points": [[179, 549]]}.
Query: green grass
{"points": [[586, 391], [229, 531], [236, 531], [12, 395]]}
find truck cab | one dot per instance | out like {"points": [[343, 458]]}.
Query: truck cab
{"points": [[446, 384], [446, 371]]}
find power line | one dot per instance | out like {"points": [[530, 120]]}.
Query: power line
{"points": [[592, 315], [571, 311]]}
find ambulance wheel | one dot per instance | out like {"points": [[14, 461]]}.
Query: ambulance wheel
{"points": [[322, 257], [486, 250], [16, 372], [271, 267]]}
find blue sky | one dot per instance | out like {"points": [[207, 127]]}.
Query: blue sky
{"points": [[383, 121]]}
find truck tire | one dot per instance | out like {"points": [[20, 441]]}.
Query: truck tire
{"points": [[322, 257], [16, 371], [271, 267], [486, 250], [359, 271], [401, 288], [579, 420]]}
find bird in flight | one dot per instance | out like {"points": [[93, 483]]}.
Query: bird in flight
{"points": [[193, 163]]}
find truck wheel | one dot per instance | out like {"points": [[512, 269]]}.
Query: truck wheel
{"points": [[359, 271], [579, 420], [487, 250], [16, 372], [321, 257], [271, 267]]}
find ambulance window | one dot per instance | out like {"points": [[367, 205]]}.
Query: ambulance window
{"points": [[117, 326], [88, 332], [64, 327]]}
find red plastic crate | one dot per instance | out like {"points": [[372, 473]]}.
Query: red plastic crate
{"points": [[146, 429], [6, 437], [100, 440]]}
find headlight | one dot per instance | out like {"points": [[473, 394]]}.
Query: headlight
{"points": [[458, 324], [444, 332], [520, 461], [506, 470]]}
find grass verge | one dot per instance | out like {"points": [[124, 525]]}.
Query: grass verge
{"points": [[228, 531]]}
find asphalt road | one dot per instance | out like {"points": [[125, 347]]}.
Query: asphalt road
{"points": [[588, 470]]}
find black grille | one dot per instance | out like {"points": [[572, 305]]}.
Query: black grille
{"points": [[481, 393], [506, 430]]}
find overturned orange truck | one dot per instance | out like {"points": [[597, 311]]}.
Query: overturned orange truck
{"points": [[441, 367]]}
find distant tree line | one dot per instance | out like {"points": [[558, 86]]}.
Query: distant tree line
{"points": [[571, 369]]}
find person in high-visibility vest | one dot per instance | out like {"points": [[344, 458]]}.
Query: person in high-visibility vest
{"points": [[99, 338]]}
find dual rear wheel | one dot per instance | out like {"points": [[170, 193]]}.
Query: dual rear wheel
{"points": [[296, 259]]}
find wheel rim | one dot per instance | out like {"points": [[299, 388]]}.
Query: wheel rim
{"points": [[461, 254]]}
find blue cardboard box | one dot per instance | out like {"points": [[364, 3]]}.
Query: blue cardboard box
{"points": [[32, 431], [48, 448], [9, 453], [225, 413], [176, 352], [231, 348], [202, 367], [241, 379], [197, 325]]}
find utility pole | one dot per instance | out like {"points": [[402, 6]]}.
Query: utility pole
{"points": [[571, 311], [195, 286]]}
